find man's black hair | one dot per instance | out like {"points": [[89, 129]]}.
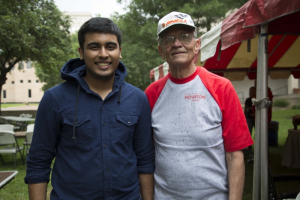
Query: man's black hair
{"points": [[98, 25]]}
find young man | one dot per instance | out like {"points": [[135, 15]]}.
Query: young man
{"points": [[198, 122], [96, 126]]}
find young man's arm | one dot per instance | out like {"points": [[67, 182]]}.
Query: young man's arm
{"points": [[236, 174], [144, 148], [146, 186], [42, 149], [37, 191]]}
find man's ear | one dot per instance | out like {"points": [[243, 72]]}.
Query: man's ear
{"points": [[161, 52], [197, 46], [120, 52], [80, 51]]}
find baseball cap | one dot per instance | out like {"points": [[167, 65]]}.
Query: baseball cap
{"points": [[174, 18]]}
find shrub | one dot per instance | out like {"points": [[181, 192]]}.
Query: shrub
{"points": [[295, 107], [282, 103]]}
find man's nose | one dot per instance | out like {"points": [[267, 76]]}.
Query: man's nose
{"points": [[177, 42], [103, 52]]}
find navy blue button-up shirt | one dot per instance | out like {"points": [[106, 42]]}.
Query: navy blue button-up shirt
{"points": [[113, 141]]}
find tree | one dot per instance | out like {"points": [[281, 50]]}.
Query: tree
{"points": [[139, 48], [139, 25], [32, 30], [52, 78]]}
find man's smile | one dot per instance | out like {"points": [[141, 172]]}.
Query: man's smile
{"points": [[177, 53], [103, 63]]}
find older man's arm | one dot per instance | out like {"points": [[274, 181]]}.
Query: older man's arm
{"points": [[236, 174]]}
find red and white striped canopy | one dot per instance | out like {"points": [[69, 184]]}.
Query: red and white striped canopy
{"points": [[230, 49]]}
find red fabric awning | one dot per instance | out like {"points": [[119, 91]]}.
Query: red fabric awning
{"points": [[232, 50]]}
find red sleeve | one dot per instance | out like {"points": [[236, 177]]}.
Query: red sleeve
{"points": [[153, 90], [235, 130]]}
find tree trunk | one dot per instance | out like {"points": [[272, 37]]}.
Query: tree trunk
{"points": [[0, 98]]}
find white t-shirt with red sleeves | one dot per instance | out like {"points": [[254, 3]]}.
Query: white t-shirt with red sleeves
{"points": [[195, 120]]}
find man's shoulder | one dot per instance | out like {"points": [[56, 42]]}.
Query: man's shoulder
{"points": [[214, 82], [132, 88], [156, 86], [209, 76]]}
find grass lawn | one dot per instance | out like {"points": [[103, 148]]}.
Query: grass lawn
{"points": [[17, 189], [6, 105], [284, 117]]}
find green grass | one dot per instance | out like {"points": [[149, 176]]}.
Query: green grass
{"points": [[17, 189], [6, 105], [284, 117]]}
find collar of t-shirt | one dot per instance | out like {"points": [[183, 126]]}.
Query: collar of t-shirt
{"points": [[184, 80]]}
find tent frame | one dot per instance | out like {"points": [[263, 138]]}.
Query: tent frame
{"points": [[260, 177]]}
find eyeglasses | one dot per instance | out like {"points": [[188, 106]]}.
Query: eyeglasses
{"points": [[184, 38]]}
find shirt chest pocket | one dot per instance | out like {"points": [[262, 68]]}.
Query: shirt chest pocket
{"points": [[83, 130], [125, 126]]}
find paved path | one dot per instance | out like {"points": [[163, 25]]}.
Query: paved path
{"points": [[25, 107]]}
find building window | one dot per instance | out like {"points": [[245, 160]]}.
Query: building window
{"points": [[12, 82], [29, 81], [4, 94], [21, 81], [29, 93], [21, 65], [28, 66], [37, 81]]}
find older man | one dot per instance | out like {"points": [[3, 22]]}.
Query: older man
{"points": [[198, 122]]}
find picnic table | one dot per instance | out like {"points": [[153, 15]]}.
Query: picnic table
{"points": [[22, 122], [6, 177]]}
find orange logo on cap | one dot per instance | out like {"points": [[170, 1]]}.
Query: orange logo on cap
{"points": [[176, 20], [163, 25]]}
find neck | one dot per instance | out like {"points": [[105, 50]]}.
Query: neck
{"points": [[181, 71], [100, 86]]}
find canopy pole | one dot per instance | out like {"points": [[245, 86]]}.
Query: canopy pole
{"points": [[260, 177], [264, 114], [257, 136]]}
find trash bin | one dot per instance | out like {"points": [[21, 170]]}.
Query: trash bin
{"points": [[273, 133]]}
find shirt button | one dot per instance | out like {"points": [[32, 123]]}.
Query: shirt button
{"points": [[107, 190], [107, 168], [129, 122], [105, 145], [104, 124]]}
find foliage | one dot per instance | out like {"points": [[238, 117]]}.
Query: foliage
{"points": [[52, 78], [281, 103], [32, 30], [139, 49], [295, 107], [139, 25]]}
